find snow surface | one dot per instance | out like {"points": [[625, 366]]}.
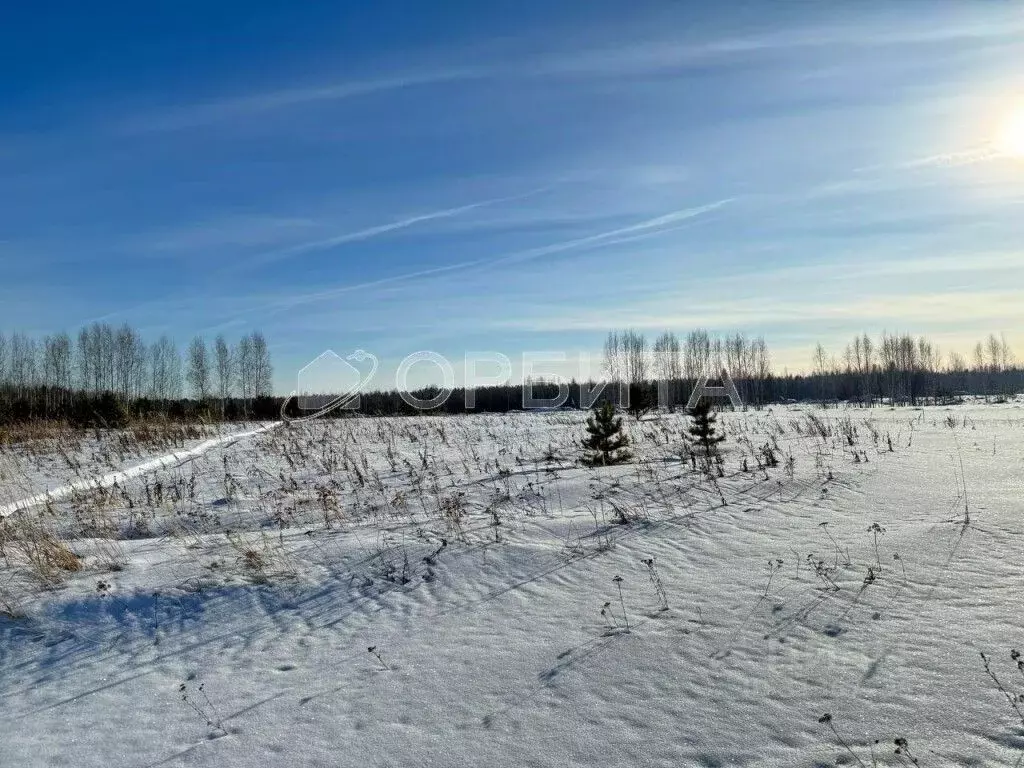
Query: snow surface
{"points": [[77, 460], [92, 482], [475, 556]]}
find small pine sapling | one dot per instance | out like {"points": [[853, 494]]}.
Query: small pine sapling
{"points": [[605, 442], [640, 401], [703, 428]]}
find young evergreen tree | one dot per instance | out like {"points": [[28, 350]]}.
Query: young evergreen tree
{"points": [[640, 401], [703, 429], [605, 442]]}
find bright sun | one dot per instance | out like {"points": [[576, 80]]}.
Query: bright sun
{"points": [[1010, 139]]}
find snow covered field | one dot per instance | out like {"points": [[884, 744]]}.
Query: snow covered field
{"points": [[523, 609], [62, 461]]}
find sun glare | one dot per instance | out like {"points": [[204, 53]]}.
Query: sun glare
{"points": [[1010, 139]]}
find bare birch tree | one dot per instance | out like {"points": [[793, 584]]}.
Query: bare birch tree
{"points": [[613, 365], [224, 370], [244, 369], [165, 370], [262, 370], [198, 371]]}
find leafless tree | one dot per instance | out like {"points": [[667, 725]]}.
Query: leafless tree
{"points": [[57, 376], [821, 369], [866, 366], [107, 355], [224, 370], [762, 368], [613, 358], [85, 361], [739, 362], [957, 366], [1006, 357], [697, 355], [245, 370], [198, 373], [24, 368], [263, 370], [666, 356], [129, 362], [634, 347], [165, 370], [994, 350], [979, 356], [668, 366]]}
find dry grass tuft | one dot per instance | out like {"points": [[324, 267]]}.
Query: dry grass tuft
{"points": [[24, 538]]}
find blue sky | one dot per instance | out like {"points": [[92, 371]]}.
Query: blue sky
{"points": [[512, 176]]}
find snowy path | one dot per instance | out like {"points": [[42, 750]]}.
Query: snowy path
{"points": [[120, 476]]}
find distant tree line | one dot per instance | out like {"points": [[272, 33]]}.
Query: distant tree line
{"points": [[666, 371], [108, 374], [894, 369], [904, 370]]}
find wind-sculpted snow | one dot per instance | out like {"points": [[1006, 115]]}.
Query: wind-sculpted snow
{"points": [[225, 606]]}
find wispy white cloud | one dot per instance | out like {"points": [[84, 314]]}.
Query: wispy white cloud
{"points": [[647, 227], [650, 54], [655, 54], [655, 225], [377, 230], [252, 231], [1002, 308], [216, 110], [981, 153]]}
